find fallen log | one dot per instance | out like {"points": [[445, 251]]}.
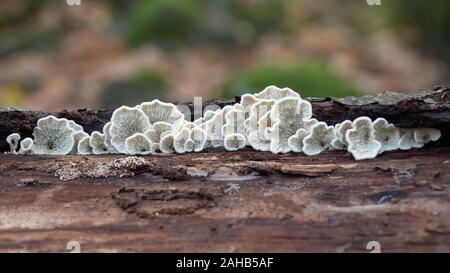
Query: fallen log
{"points": [[244, 201]]}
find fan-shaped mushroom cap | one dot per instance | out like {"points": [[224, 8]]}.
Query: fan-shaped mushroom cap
{"points": [[257, 123], [234, 122], [107, 141], [26, 146], [318, 139], [138, 144], [126, 122], [97, 143], [78, 136], [180, 140], [199, 137], [214, 128], [159, 129], [166, 144], [425, 135], [339, 143], [13, 141], [53, 136], [84, 146], [360, 139], [287, 117], [407, 140], [75, 126], [157, 110], [234, 142], [387, 134], [296, 141]]}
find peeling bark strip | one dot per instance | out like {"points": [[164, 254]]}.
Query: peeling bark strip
{"points": [[423, 109], [217, 201]]}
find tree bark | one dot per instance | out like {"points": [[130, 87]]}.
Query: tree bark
{"points": [[244, 201]]}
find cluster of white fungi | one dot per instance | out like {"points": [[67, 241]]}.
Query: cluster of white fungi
{"points": [[276, 120]]}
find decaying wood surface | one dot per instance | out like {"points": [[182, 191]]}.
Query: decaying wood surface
{"points": [[422, 109], [245, 201], [219, 201]]}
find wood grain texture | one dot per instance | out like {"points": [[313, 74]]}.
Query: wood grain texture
{"points": [[219, 201]]}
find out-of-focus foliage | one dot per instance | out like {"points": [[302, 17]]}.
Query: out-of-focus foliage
{"points": [[166, 21], [144, 86], [309, 78], [428, 20], [220, 22]]}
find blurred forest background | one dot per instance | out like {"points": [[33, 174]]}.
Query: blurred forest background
{"points": [[106, 53]]}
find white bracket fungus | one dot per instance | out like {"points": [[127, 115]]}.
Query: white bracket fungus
{"points": [[107, 140], [26, 146], [407, 140], [318, 139], [287, 116], [97, 143], [126, 122], [425, 135], [158, 130], [361, 140], [13, 141], [339, 142], [166, 144], [84, 146], [180, 140], [78, 136], [387, 134], [157, 110], [198, 136], [53, 136], [257, 122], [296, 141], [139, 144]]}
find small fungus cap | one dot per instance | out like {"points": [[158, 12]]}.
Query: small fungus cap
{"points": [[84, 146], [387, 134], [180, 140], [234, 142], [97, 143], [361, 141], [166, 144], [53, 136], [296, 141], [199, 137], [318, 139], [138, 144], [126, 122], [13, 141], [26, 146], [407, 139], [425, 135]]}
